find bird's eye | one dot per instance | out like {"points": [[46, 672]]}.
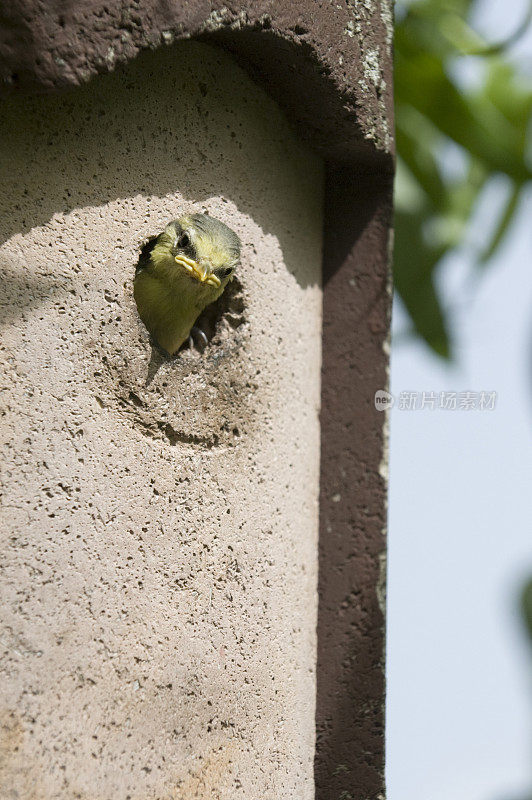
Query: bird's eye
{"points": [[184, 240], [227, 271]]}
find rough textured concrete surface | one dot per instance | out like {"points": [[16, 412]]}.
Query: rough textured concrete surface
{"points": [[329, 64], [160, 515], [356, 307]]}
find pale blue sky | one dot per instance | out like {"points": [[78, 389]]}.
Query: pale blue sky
{"points": [[460, 531]]}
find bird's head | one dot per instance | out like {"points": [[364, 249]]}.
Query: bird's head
{"points": [[199, 247]]}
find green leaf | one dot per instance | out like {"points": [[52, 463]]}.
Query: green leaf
{"points": [[511, 96], [414, 265], [418, 153], [504, 223], [473, 123], [526, 607], [489, 124]]}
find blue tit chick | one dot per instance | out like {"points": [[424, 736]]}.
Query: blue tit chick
{"points": [[189, 266]]}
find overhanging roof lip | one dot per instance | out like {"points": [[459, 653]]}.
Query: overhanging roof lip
{"points": [[328, 66]]}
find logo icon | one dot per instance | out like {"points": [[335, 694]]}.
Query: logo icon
{"points": [[383, 400]]}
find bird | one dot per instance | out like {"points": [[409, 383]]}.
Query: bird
{"points": [[188, 267]]}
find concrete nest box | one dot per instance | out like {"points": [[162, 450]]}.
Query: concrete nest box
{"points": [[193, 558]]}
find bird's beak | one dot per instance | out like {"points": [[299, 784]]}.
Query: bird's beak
{"points": [[202, 272]]}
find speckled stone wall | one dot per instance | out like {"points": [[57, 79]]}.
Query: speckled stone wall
{"points": [[329, 64], [159, 526]]}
